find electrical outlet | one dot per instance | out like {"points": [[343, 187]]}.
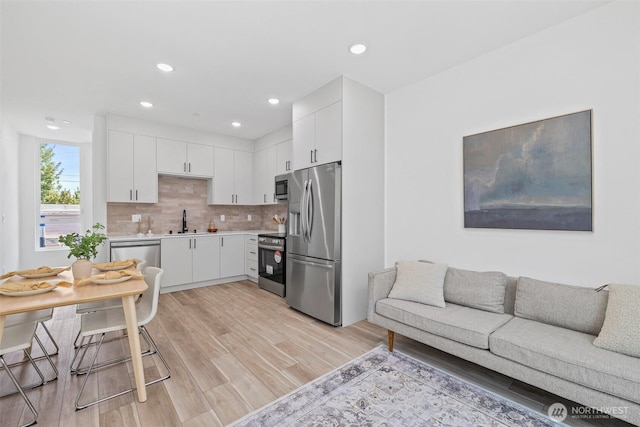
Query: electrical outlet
{"points": [[248, 217], [136, 218], [221, 218]]}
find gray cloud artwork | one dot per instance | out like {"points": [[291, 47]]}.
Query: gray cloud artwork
{"points": [[531, 176]]}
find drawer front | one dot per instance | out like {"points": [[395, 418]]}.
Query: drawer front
{"points": [[252, 252], [252, 268], [251, 240]]}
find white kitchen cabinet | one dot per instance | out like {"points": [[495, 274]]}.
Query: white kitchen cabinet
{"points": [[232, 256], [184, 158], [233, 181], [176, 261], [317, 137], [131, 166], [265, 165], [189, 259], [251, 253], [283, 157], [206, 255]]}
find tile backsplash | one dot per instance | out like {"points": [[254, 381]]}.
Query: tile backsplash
{"points": [[176, 194]]}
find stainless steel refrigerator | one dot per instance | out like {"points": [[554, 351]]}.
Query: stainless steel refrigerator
{"points": [[314, 242]]}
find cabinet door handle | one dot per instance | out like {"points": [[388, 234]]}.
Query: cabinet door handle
{"points": [[195, 241], [252, 252], [315, 156], [189, 243], [189, 167], [130, 194], [264, 198], [184, 166], [136, 194], [222, 241], [311, 154]]}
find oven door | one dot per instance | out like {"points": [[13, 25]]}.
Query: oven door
{"points": [[272, 263]]}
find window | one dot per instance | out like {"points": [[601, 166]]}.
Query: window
{"points": [[59, 207]]}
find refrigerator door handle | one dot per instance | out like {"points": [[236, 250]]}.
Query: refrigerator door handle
{"points": [[313, 264], [302, 212], [310, 210]]}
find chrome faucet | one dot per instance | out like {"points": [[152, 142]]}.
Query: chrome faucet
{"points": [[184, 221]]}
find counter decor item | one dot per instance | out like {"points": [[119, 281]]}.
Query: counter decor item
{"points": [[212, 227], [84, 248]]}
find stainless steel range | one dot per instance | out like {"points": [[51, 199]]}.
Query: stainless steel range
{"points": [[272, 258]]}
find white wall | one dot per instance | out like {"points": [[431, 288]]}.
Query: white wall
{"points": [[589, 62], [9, 212]]}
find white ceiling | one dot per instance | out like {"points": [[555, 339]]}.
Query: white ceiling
{"points": [[73, 59]]}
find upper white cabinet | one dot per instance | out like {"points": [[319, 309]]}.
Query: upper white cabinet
{"points": [[265, 165], [233, 182], [184, 158], [284, 157], [131, 167], [317, 127]]}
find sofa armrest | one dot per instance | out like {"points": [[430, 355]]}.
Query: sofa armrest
{"points": [[380, 284]]}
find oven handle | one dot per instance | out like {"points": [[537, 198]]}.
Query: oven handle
{"points": [[275, 248]]}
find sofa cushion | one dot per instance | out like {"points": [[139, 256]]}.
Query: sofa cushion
{"points": [[573, 307], [463, 324], [475, 289], [568, 354], [621, 329], [419, 282]]}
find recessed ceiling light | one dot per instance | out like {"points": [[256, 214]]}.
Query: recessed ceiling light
{"points": [[146, 104], [66, 122], [357, 49], [50, 119], [165, 67], [53, 127], [273, 101], [236, 124]]}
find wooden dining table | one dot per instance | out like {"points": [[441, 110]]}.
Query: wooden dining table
{"points": [[62, 296]]}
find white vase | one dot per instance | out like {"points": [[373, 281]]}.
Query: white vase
{"points": [[81, 268]]}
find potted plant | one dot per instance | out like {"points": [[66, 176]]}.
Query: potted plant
{"points": [[84, 248]]}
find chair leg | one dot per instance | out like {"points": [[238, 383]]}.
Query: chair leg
{"points": [[84, 382], [29, 386], [153, 349], [46, 356], [20, 389], [55, 344], [81, 371]]}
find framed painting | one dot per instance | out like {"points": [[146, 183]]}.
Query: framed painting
{"points": [[532, 176]]}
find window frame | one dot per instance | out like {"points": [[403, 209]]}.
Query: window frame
{"points": [[84, 184]]}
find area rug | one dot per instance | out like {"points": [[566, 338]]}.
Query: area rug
{"points": [[392, 389]]}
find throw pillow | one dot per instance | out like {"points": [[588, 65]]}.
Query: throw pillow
{"points": [[481, 290], [621, 329], [419, 282], [573, 307]]}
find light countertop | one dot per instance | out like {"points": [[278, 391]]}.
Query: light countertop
{"points": [[170, 236]]}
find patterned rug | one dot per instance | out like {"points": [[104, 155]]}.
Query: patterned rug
{"points": [[392, 389]]}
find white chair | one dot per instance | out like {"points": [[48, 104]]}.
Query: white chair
{"points": [[104, 321], [15, 338], [39, 316], [109, 304]]}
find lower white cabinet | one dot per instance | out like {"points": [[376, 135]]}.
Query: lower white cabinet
{"points": [[231, 256], [189, 259], [251, 253], [200, 258]]}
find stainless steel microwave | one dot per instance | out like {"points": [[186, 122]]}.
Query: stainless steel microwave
{"points": [[282, 187]]}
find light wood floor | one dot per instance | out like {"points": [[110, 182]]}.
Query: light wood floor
{"points": [[232, 348]]}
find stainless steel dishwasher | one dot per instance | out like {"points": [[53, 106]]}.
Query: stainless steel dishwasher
{"points": [[148, 250]]}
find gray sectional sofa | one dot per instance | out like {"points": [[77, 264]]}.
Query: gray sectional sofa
{"points": [[537, 332]]}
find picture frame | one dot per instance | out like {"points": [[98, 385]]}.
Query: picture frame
{"points": [[536, 175]]}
